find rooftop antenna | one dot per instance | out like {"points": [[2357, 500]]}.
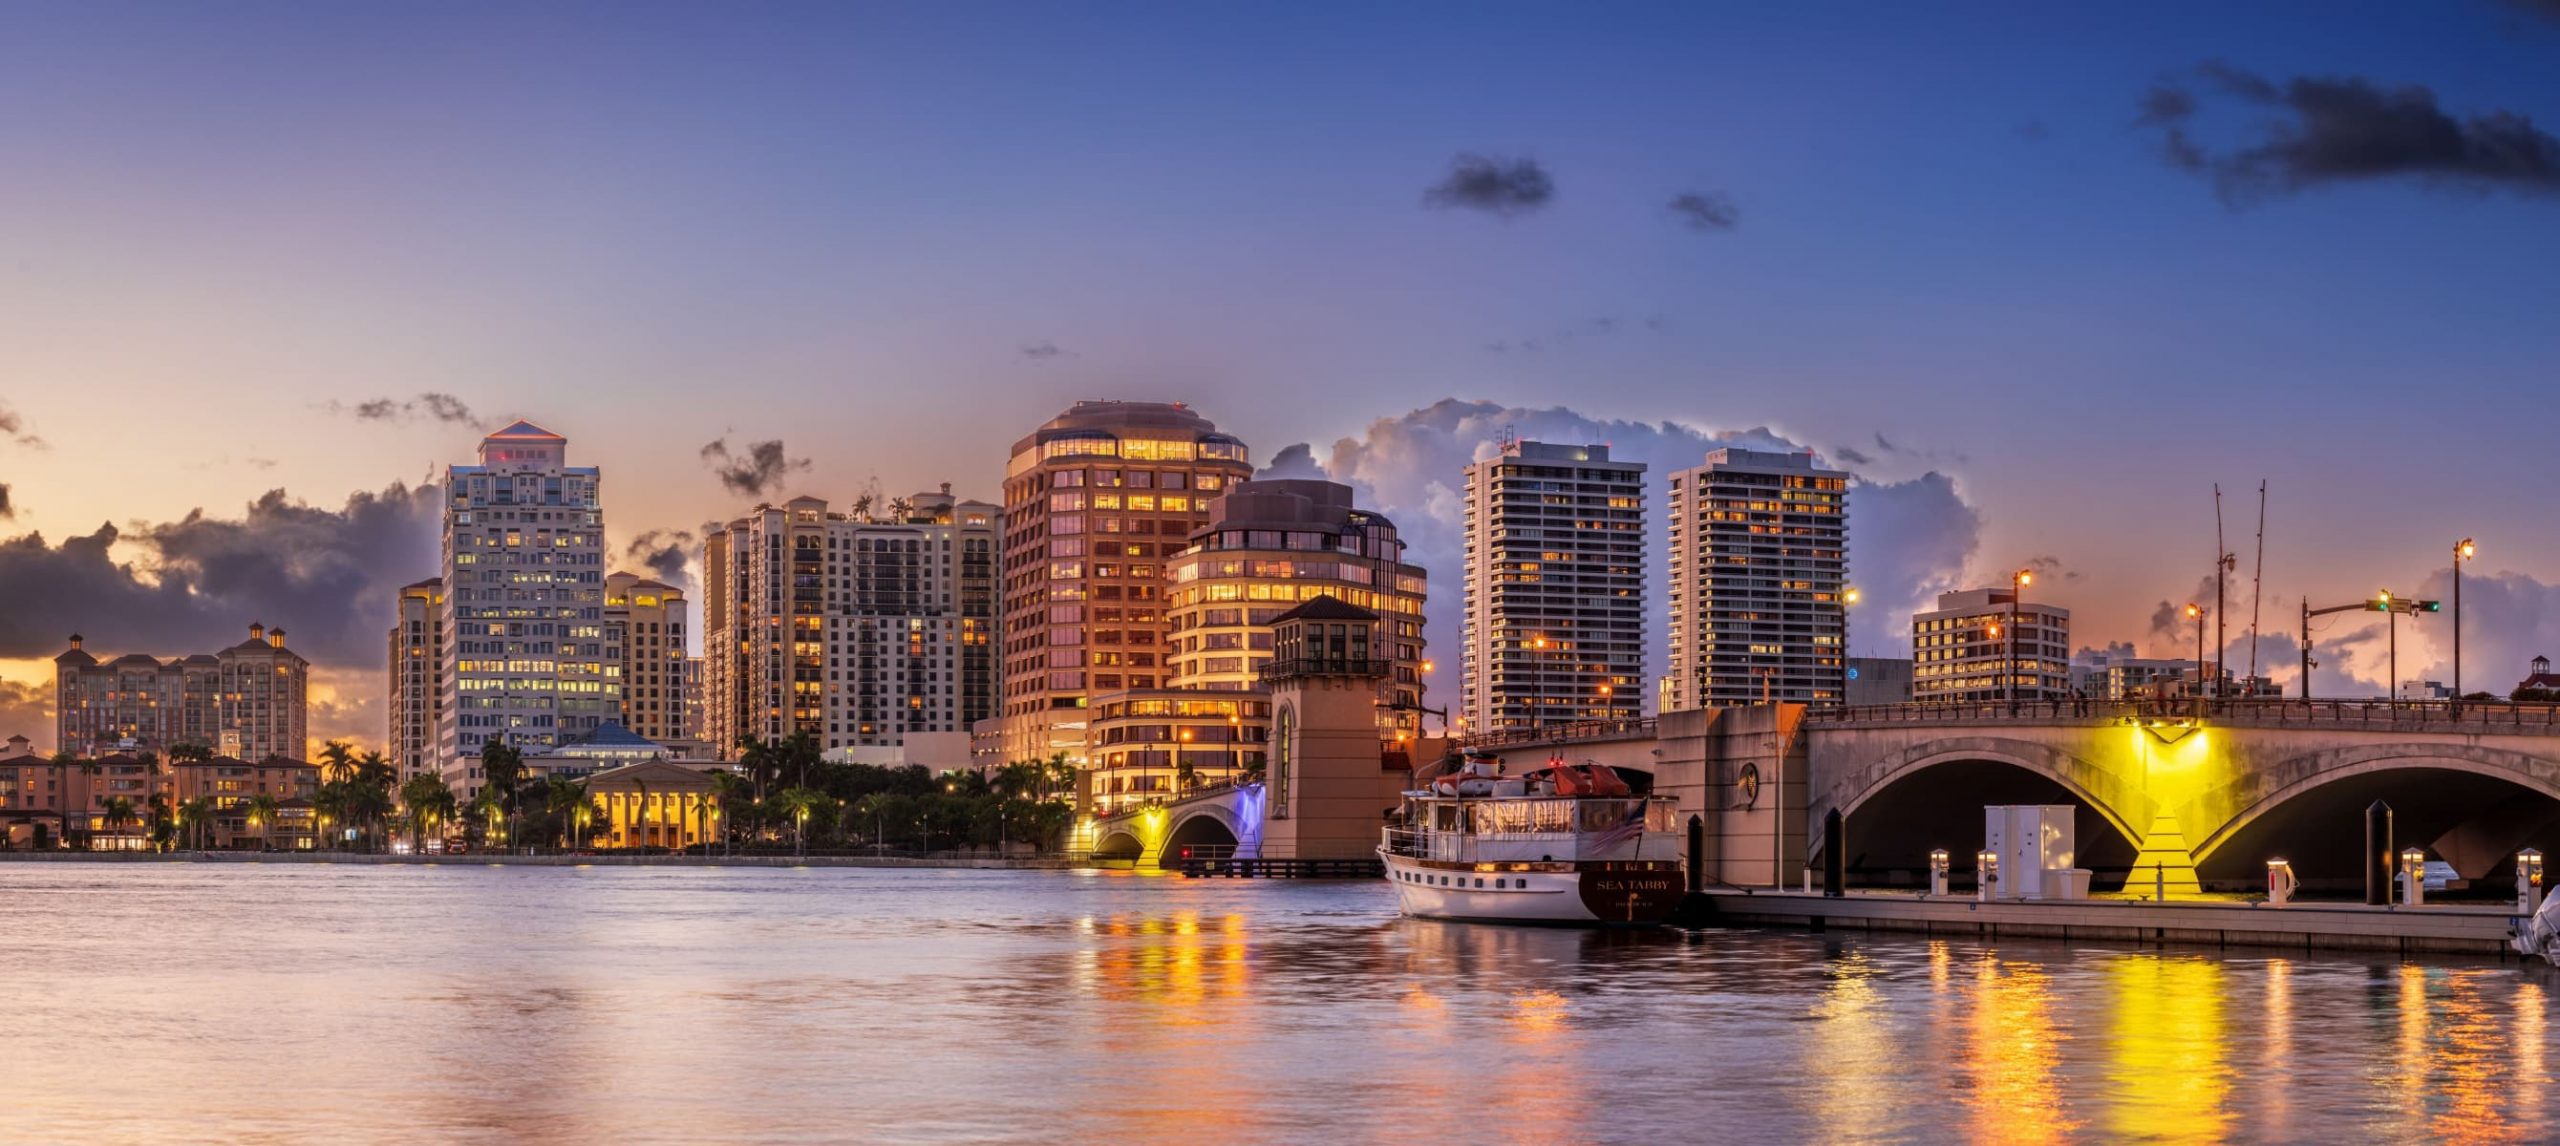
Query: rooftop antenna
{"points": [[1508, 440], [2257, 578], [2223, 561]]}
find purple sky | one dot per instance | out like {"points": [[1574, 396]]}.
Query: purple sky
{"points": [[2055, 255]]}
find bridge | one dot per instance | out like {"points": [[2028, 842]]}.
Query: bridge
{"points": [[1222, 820], [2207, 790]]}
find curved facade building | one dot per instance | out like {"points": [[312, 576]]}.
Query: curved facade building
{"points": [[1096, 503]]}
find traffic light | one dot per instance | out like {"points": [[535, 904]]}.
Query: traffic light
{"points": [[2430, 606]]}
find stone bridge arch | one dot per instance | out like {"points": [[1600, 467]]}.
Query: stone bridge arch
{"points": [[2113, 795], [2256, 797]]}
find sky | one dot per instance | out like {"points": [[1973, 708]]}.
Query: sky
{"points": [[2041, 274]]}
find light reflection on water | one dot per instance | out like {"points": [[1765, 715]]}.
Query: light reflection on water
{"points": [[192, 1002]]}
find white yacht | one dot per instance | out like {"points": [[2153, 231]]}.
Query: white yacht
{"points": [[1564, 844]]}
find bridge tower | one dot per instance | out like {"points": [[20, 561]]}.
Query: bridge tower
{"points": [[1329, 779]]}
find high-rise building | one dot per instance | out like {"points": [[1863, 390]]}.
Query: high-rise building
{"points": [[417, 678], [644, 621], [1096, 503], [524, 632], [248, 701], [1962, 649], [696, 723], [1554, 585], [1759, 567], [860, 629]]}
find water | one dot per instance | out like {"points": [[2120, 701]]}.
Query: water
{"points": [[278, 1003]]}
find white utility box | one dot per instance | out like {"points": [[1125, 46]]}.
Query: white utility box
{"points": [[2036, 845]]}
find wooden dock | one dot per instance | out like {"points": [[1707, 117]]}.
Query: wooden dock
{"points": [[2467, 929], [1231, 868]]}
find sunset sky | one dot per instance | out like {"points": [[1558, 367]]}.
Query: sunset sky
{"points": [[2079, 264]]}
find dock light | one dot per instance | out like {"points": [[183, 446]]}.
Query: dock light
{"points": [[1938, 872], [2528, 882], [2413, 878], [1986, 878], [2280, 882]]}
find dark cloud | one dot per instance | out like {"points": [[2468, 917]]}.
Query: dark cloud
{"points": [[664, 552], [1502, 186], [8, 508], [2330, 130], [1913, 538], [431, 406], [753, 469], [1852, 456], [14, 427], [1705, 210], [1044, 351], [2050, 568], [328, 576]]}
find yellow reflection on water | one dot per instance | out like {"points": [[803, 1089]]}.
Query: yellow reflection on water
{"points": [[2011, 1051], [1854, 1052], [2275, 1056], [2469, 1064], [2167, 1080]]}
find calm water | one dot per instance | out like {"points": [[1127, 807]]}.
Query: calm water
{"points": [[281, 1003]]}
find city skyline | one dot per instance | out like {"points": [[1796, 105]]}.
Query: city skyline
{"points": [[2048, 306]]}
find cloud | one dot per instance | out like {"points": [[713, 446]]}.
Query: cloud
{"points": [[1912, 539], [1852, 456], [1504, 187], [2331, 130], [1705, 210], [328, 576], [1044, 350], [8, 508], [664, 552], [14, 427], [26, 709], [752, 470], [2050, 568], [429, 406]]}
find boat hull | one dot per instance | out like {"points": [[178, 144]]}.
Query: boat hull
{"points": [[1597, 893]]}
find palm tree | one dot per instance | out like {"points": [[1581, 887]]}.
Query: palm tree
{"points": [[728, 791], [262, 816], [565, 798], [193, 815], [337, 761], [798, 803], [117, 812], [502, 767], [428, 801], [163, 821]]}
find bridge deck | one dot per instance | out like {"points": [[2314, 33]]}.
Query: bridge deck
{"points": [[2492, 717], [2457, 929]]}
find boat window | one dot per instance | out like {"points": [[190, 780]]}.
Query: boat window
{"points": [[1479, 883], [1602, 815]]}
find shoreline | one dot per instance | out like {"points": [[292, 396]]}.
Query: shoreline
{"points": [[965, 863]]}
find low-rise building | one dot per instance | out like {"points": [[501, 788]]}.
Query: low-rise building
{"points": [[656, 804], [1966, 648]]}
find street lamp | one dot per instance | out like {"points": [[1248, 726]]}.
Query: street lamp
{"points": [[2463, 550], [2009, 681], [2195, 613]]}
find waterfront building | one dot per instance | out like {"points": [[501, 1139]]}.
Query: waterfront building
{"points": [[524, 658], [609, 747], [2116, 674], [1269, 546], [654, 804], [862, 629], [1096, 503], [696, 723], [1554, 585], [1963, 648], [645, 621], [417, 679], [250, 699], [1759, 575], [48, 803], [1150, 745]]}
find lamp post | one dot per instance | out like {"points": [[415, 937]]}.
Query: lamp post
{"points": [[2462, 551], [2196, 613], [2009, 681], [2391, 686]]}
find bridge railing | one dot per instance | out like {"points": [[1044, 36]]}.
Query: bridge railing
{"points": [[2477, 715], [1564, 732]]}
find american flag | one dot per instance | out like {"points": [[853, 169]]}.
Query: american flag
{"points": [[1622, 831]]}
